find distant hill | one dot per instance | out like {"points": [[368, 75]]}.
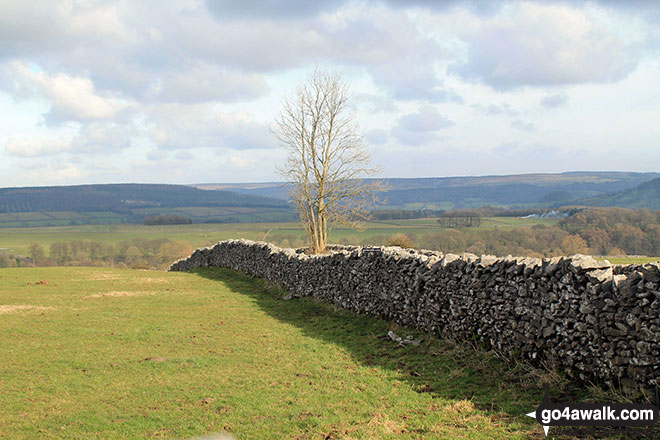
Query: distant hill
{"points": [[131, 203], [519, 190], [268, 202], [644, 195]]}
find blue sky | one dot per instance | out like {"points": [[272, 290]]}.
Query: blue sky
{"points": [[185, 91]]}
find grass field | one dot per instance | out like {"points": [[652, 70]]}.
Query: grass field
{"points": [[197, 214], [94, 353], [17, 240]]}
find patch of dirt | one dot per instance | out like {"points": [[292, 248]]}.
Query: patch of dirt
{"points": [[154, 359], [389, 426], [40, 283], [154, 280], [4, 309], [116, 293], [103, 276]]}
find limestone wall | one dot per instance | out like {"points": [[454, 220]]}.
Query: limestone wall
{"points": [[583, 316]]}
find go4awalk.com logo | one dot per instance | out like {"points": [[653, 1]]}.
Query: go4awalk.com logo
{"points": [[593, 414]]}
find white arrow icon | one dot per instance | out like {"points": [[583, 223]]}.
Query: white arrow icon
{"points": [[546, 428]]}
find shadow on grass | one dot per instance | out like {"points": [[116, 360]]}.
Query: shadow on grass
{"points": [[443, 368]]}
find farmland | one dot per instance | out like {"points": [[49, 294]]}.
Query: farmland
{"points": [[495, 235], [17, 240], [200, 214]]}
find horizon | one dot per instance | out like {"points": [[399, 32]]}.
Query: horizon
{"points": [[96, 92], [370, 178]]}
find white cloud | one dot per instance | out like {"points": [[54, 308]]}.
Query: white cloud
{"points": [[55, 173], [35, 146], [203, 82], [270, 8], [496, 109], [177, 126], [534, 44], [427, 118], [71, 98], [130, 80], [556, 100], [241, 163], [523, 126], [421, 127], [102, 137], [376, 136]]}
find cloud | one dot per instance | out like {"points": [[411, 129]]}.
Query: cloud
{"points": [[386, 43], [241, 163], [178, 126], [71, 98], [270, 8], [553, 101], [377, 136], [496, 109], [421, 127], [539, 45], [178, 52], [35, 146], [204, 82], [427, 118], [44, 26], [184, 155], [102, 137], [532, 151], [54, 173], [374, 103], [96, 137], [523, 126]]}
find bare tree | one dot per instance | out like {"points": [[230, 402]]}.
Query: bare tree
{"points": [[327, 159]]}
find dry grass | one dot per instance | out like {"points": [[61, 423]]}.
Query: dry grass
{"points": [[115, 294], [6, 309]]}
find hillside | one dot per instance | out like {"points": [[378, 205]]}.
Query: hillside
{"points": [[518, 190], [644, 195], [130, 203]]}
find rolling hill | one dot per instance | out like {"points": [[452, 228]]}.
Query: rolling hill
{"points": [[644, 195], [131, 203], [519, 190], [268, 202]]}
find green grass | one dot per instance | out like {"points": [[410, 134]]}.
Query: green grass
{"points": [[110, 353], [198, 215], [632, 260], [32, 216], [17, 240], [135, 354], [67, 215]]}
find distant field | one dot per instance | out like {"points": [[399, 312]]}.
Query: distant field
{"points": [[17, 240], [136, 215], [106, 353]]}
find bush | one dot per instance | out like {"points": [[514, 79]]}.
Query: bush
{"points": [[7, 261], [401, 240]]}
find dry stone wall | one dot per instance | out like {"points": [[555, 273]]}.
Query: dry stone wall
{"points": [[586, 317]]}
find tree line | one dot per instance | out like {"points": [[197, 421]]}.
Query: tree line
{"points": [[593, 231], [139, 253]]}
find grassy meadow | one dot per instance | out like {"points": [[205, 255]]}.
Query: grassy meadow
{"points": [[100, 353], [495, 235], [17, 240]]}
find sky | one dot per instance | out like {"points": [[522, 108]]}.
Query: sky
{"points": [[186, 91]]}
